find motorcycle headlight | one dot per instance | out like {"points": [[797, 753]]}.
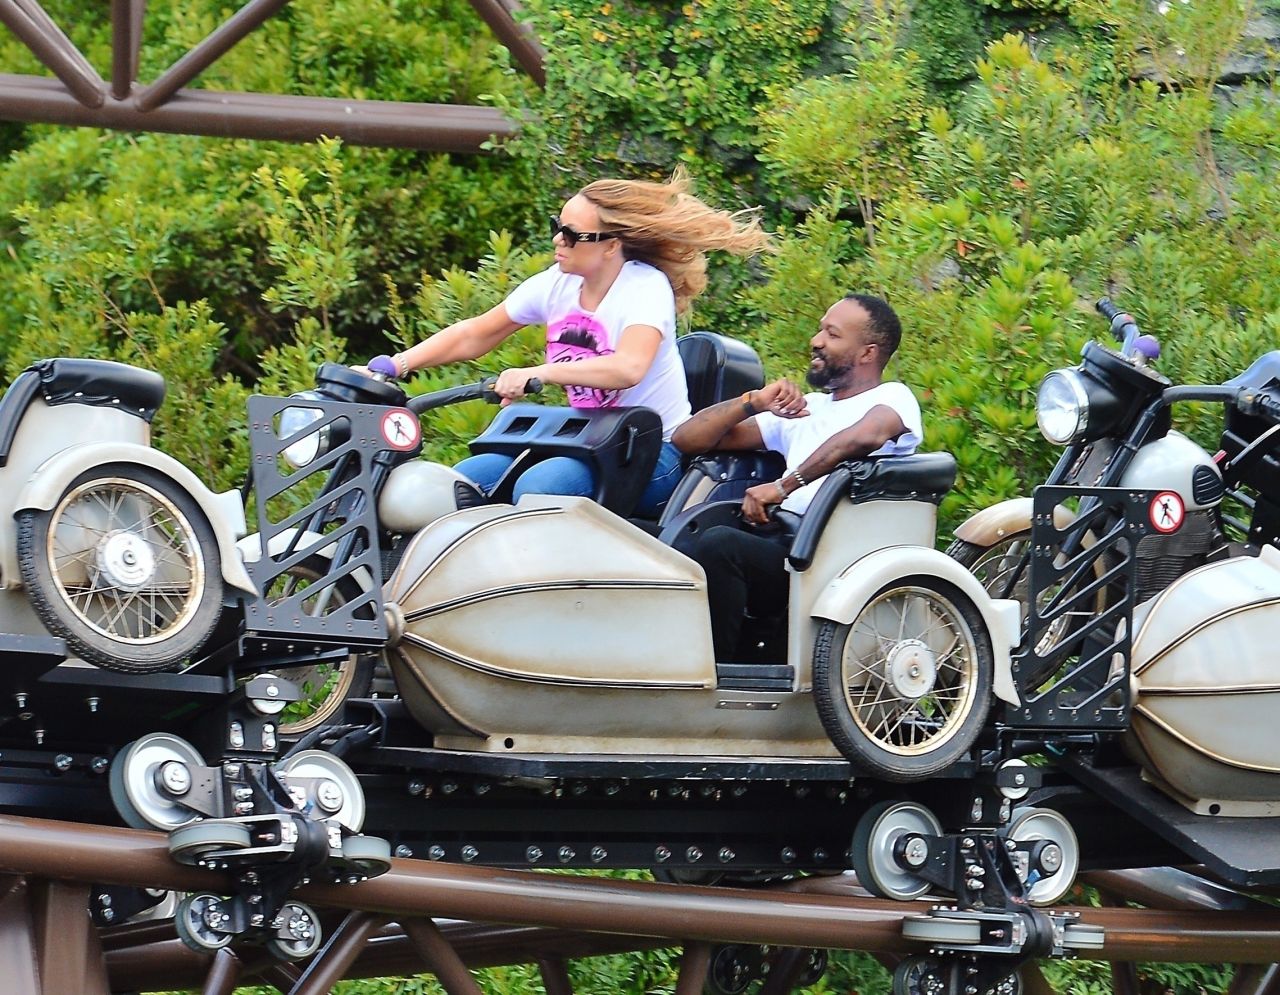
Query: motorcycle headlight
{"points": [[294, 420], [1062, 407]]}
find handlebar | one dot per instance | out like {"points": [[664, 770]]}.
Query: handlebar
{"points": [[1123, 328], [480, 390]]}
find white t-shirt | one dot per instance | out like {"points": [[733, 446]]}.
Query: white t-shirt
{"points": [[798, 438], [640, 295]]}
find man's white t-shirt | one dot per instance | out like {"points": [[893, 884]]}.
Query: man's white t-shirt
{"points": [[798, 438], [640, 295]]}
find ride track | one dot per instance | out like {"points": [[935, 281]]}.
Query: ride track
{"points": [[489, 917]]}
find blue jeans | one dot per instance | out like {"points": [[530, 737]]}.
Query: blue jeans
{"points": [[566, 475]]}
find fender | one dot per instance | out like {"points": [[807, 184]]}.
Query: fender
{"points": [[845, 597], [990, 525], [224, 511], [251, 549]]}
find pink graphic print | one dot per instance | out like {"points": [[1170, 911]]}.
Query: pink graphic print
{"points": [[574, 337]]}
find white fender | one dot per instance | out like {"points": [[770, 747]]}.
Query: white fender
{"points": [[844, 598], [991, 525], [224, 511], [251, 550]]}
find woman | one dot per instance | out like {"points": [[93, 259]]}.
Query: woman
{"points": [[629, 257]]}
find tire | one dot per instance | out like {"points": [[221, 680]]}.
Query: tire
{"points": [[327, 685], [992, 565], [125, 568], [905, 688]]}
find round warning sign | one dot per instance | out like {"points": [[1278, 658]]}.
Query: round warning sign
{"points": [[1167, 512], [400, 429]]}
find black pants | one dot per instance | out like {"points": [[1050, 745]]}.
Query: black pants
{"points": [[745, 572]]}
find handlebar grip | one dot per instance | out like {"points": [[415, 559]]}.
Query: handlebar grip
{"points": [[1107, 309], [533, 386]]}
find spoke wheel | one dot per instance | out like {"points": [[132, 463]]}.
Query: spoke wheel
{"points": [[194, 922], [298, 934], [333, 791], [125, 568], [872, 853], [135, 782], [1046, 824], [190, 844], [327, 685], [1004, 569], [904, 689]]}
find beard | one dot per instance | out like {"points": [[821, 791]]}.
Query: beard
{"points": [[824, 376]]}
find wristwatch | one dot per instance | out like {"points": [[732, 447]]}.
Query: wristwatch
{"points": [[747, 406]]}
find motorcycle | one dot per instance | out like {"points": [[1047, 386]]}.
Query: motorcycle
{"points": [[119, 549]]}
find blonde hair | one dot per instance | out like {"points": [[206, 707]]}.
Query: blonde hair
{"points": [[666, 226]]}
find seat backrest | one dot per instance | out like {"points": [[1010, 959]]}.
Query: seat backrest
{"points": [[717, 368]]}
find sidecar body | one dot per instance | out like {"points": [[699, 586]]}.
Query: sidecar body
{"points": [[554, 626]]}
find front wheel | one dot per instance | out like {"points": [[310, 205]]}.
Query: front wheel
{"points": [[124, 567], [904, 689]]}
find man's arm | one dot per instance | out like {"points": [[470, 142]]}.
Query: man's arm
{"points": [[731, 424], [869, 433]]}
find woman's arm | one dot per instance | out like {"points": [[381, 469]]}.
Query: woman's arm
{"points": [[625, 368], [469, 338]]}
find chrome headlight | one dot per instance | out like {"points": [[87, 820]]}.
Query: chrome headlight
{"points": [[1062, 407], [295, 419]]}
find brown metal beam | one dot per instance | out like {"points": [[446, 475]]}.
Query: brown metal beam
{"points": [[223, 974], [1256, 979], [519, 40], [555, 976], [200, 58], [431, 127], [694, 961], [330, 965], [32, 26], [42, 848], [444, 961], [126, 41]]}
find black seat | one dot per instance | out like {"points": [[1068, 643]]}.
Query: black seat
{"points": [[79, 381], [717, 368]]}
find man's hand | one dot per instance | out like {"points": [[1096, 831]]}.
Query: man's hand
{"points": [[781, 397], [757, 501]]}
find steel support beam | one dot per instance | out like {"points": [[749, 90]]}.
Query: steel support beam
{"points": [[200, 58], [223, 974], [431, 127], [442, 959], [555, 976], [694, 962], [330, 965], [126, 43], [34, 29], [518, 39]]}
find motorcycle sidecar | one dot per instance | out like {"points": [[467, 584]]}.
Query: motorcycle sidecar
{"points": [[555, 627]]}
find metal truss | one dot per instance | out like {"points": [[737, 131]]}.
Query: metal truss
{"points": [[78, 95], [448, 919]]}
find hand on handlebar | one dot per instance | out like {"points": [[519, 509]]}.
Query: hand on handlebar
{"points": [[757, 501], [512, 385], [782, 398]]}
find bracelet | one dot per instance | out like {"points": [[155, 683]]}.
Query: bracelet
{"points": [[747, 406], [782, 491], [403, 362], [796, 474]]}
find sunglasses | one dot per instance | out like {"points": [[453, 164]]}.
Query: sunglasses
{"points": [[572, 236]]}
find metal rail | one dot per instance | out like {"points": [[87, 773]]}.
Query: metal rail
{"points": [[78, 96]]}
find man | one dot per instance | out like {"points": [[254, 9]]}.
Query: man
{"points": [[855, 414]]}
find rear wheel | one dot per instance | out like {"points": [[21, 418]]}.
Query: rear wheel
{"points": [[1004, 569], [124, 567], [326, 686], [904, 689]]}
